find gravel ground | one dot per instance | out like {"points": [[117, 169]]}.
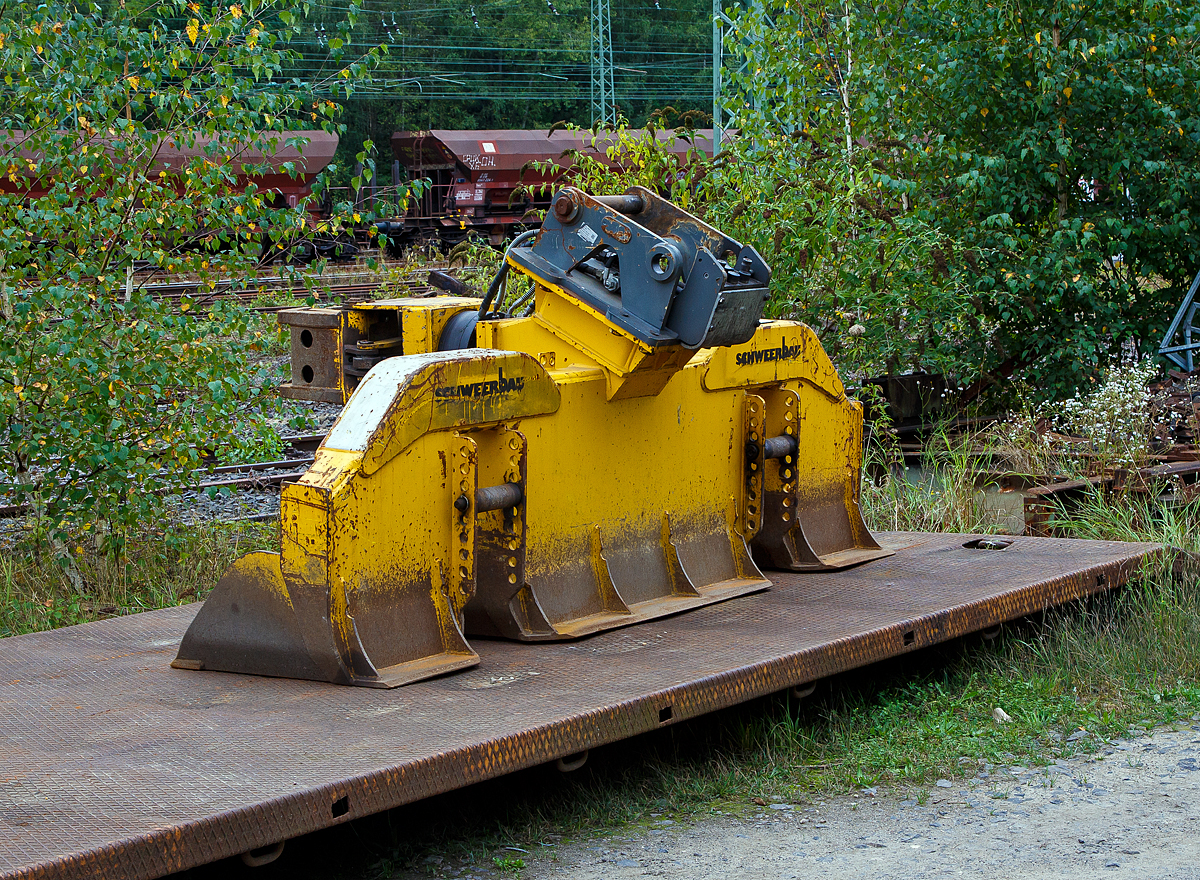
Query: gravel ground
{"points": [[1132, 809]]}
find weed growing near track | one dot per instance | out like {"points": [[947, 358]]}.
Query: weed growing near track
{"points": [[158, 569]]}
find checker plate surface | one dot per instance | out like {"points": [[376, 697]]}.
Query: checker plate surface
{"points": [[113, 764]]}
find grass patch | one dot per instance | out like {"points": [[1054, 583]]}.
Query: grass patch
{"points": [[159, 569]]}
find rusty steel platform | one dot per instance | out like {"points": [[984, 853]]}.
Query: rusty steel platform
{"points": [[113, 764]]}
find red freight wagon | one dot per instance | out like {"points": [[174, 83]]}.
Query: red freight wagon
{"points": [[484, 181], [170, 156]]}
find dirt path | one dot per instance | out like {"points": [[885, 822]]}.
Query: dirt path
{"points": [[1131, 810]]}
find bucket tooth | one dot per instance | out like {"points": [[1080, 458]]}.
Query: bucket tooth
{"points": [[410, 631], [648, 575], [249, 625], [576, 590], [532, 624], [715, 559], [256, 623]]}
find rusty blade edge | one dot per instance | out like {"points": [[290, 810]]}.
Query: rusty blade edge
{"points": [[232, 832]]}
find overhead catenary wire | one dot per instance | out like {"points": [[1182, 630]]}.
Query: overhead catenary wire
{"points": [[470, 65]]}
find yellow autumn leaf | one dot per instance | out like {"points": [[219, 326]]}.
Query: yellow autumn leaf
{"points": [[193, 30], [133, 82], [235, 11], [224, 100], [1028, 83], [1038, 37], [983, 112], [1067, 91]]}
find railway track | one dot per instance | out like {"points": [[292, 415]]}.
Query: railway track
{"points": [[349, 286], [245, 476]]}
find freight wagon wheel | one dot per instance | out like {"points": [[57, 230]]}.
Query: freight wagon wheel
{"points": [[339, 247], [300, 253]]}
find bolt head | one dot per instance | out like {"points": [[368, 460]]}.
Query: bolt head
{"points": [[563, 207]]}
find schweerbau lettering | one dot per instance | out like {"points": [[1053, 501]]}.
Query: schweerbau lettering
{"points": [[785, 352], [500, 385]]}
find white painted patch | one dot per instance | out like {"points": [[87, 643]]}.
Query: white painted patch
{"points": [[370, 401]]}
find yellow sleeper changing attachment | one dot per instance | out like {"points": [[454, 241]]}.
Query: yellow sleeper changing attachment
{"points": [[594, 463]]}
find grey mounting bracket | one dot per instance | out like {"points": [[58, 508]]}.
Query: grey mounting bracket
{"points": [[651, 268]]}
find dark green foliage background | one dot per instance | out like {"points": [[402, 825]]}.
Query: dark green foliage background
{"points": [[1018, 196]]}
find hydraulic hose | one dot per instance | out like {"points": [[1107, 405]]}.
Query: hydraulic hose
{"points": [[497, 285]]}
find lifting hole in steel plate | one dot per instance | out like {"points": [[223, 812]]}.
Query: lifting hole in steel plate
{"points": [[992, 634], [307, 373], [571, 763], [341, 806], [988, 543], [664, 714], [306, 338], [804, 690], [264, 855], [909, 638]]}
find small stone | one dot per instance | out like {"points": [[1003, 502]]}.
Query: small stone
{"points": [[1078, 735], [944, 783], [870, 792], [1000, 716], [758, 801], [781, 806], [626, 863]]}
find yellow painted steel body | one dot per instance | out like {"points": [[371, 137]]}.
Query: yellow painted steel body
{"points": [[640, 485]]}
